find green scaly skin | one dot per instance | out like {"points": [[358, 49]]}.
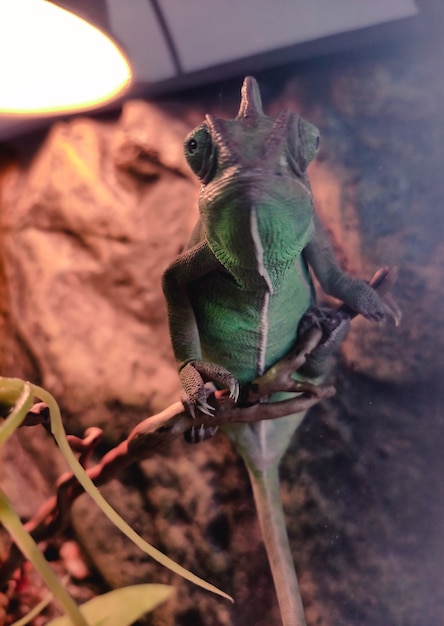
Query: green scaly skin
{"points": [[236, 295]]}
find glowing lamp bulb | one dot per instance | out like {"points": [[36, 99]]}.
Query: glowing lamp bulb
{"points": [[52, 61]]}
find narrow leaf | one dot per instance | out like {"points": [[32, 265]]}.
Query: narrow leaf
{"points": [[121, 607]]}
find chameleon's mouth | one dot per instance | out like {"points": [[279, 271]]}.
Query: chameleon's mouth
{"points": [[256, 222], [277, 181]]}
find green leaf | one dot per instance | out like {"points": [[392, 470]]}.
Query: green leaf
{"points": [[14, 393], [121, 607]]}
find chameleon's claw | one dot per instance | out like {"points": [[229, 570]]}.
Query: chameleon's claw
{"points": [[199, 405], [392, 309], [206, 408], [196, 435], [191, 409], [192, 435], [234, 390]]}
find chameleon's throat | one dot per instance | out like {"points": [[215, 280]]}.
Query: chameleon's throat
{"points": [[262, 270]]}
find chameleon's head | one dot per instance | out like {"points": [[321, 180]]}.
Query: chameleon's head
{"points": [[255, 198]]}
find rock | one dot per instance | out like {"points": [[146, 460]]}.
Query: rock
{"points": [[86, 242]]}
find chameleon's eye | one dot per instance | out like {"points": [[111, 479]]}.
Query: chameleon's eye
{"points": [[191, 146], [200, 152]]}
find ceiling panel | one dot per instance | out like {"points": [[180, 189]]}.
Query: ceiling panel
{"points": [[136, 26], [212, 32]]}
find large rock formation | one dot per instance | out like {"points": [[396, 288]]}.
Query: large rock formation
{"points": [[88, 229]]}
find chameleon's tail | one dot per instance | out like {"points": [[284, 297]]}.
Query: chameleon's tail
{"points": [[266, 490]]}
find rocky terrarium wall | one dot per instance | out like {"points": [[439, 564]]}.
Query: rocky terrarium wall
{"points": [[87, 225]]}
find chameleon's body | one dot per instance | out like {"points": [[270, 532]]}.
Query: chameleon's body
{"points": [[261, 289], [238, 292]]}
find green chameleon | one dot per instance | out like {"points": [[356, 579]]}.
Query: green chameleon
{"points": [[238, 292]]}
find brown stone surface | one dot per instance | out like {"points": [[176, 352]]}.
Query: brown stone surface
{"points": [[86, 231]]}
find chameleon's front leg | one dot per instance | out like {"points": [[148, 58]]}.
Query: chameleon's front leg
{"points": [[354, 292], [189, 266]]}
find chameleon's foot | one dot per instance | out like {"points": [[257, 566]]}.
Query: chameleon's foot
{"points": [[201, 405], [382, 282], [193, 377], [364, 298], [335, 325], [196, 373], [196, 434]]}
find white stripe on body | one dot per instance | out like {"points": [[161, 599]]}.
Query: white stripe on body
{"points": [[263, 320]]}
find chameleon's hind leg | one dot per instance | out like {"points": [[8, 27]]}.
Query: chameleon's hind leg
{"points": [[335, 324]]}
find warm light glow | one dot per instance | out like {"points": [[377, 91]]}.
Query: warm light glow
{"points": [[52, 61]]}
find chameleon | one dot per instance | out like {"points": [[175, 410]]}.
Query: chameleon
{"points": [[237, 293]]}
